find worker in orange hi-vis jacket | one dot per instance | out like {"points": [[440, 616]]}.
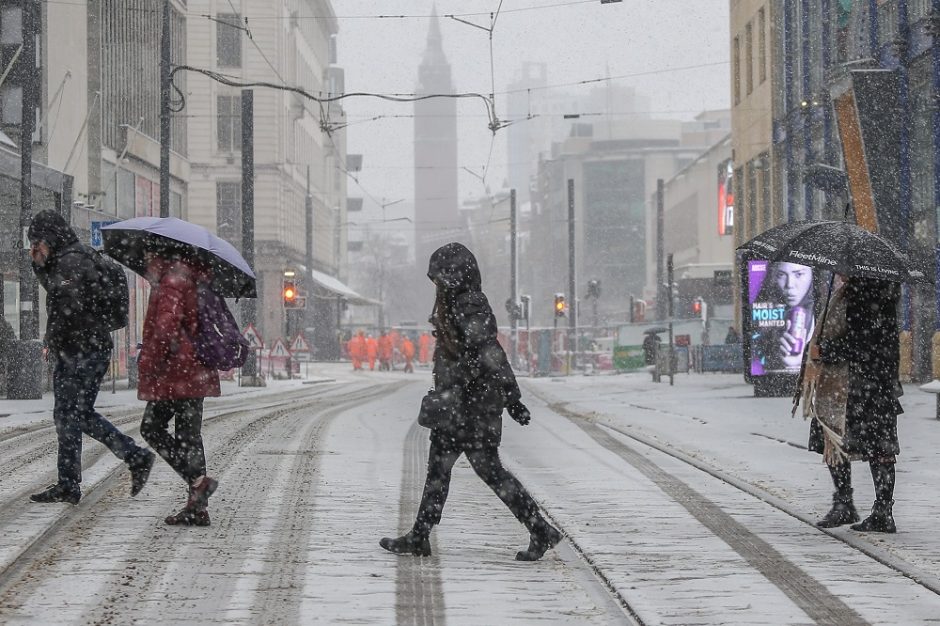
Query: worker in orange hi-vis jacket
{"points": [[372, 350], [408, 351], [385, 352], [356, 347], [424, 348]]}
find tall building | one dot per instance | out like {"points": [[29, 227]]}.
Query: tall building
{"points": [[789, 53], [437, 209], [298, 175], [96, 146], [614, 167]]}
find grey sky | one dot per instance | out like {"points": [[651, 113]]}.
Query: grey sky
{"points": [[579, 40]]}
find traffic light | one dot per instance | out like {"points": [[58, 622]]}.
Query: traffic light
{"points": [[700, 308], [560, 306], [289, 293]]}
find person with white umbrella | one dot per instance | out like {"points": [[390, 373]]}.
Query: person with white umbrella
{"points": [[185, 265]]}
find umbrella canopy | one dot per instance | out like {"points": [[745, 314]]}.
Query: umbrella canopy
{"points": [[127, 242], [836, 246], [655, 331]]}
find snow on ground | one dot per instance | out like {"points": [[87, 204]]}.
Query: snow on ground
{"points": [[313, 475]]}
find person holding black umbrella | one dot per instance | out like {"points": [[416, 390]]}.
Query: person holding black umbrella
{"points": [[172, 379], [869, 348]]}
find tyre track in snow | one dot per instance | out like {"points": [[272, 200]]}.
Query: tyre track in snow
{"points": [[926, 579], [76, 523], [170, 551], [808, 594], [279, 600], [419, 592], [22, 446]]}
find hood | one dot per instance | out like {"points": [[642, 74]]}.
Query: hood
{"points": [[454, 266], [52, 228]]}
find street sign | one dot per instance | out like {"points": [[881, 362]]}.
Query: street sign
{"points": [[299, 344], [251, 335], [279, 350], [96, 240]]}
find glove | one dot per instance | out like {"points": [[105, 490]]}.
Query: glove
{"points": [[519, 412]]}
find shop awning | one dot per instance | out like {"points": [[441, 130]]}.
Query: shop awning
{"points": [[335, 286]]}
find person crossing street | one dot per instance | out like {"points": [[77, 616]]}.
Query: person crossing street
{"points": [[79, 342]]}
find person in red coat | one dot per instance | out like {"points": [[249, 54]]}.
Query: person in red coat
{"points": [[173, 381]]}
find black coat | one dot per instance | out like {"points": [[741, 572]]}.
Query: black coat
{"points": [[471, 363], [72, 323], [871, 348]]}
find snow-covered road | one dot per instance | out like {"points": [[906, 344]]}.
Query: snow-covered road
{"points": [[685, 504]]}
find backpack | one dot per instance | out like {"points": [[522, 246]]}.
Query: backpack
{"points": [[109, 291], [219, 342]]}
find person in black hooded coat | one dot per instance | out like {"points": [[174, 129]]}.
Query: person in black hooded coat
{"points": [[470, 366], [79, 343]]}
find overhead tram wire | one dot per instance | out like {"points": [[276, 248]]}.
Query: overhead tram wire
{"points": [[231, 81]]}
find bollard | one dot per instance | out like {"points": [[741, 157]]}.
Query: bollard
{"points": [[934, 388]]}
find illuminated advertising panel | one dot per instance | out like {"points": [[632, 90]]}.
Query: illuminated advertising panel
{"points": [[778, 316], [726, 198]]}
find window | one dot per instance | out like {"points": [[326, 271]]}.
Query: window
{"points": [[229, 122], [228, 212], [228, 40], [749, 57], [11, 104], [761, 46], [125, 194], [11, 25], [736, 69]]}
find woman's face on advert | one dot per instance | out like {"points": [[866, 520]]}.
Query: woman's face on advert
{"points": [[794, 281]]}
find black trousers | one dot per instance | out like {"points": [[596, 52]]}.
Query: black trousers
{"points": [[183, 451], [486, 464], [75, 383]]}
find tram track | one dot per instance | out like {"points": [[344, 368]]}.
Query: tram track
{"points": [[810, 595], [34, 551]]}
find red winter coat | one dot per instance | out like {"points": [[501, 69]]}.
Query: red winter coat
{"points": [[168, 368]]}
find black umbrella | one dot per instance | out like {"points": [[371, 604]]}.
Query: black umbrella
{"points": [[655, 331], [835, 246]]}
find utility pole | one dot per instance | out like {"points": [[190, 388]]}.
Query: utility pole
{"points": [[572, 286], [26, 379], [307, 282], [165, 112], [670, 358], [513, 269], [250, 368], [660, 278]]}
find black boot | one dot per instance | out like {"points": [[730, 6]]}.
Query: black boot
{"points": [[140, 466], [411, 543], [58, 493], [843, 508], [547, 536], [881, 519]]}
